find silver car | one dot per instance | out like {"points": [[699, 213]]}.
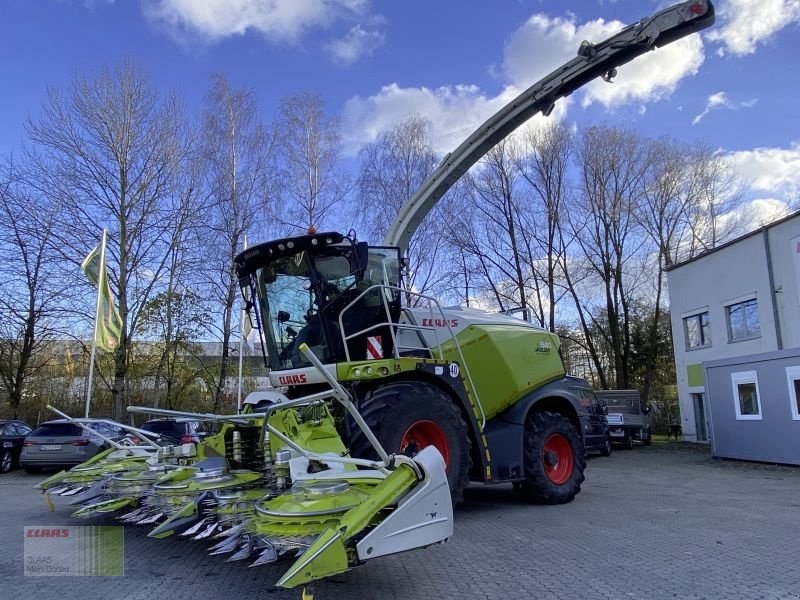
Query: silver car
{"points": [[60, 444]]}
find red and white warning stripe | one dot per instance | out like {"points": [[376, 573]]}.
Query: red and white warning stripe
{"points": [[374, 347]]}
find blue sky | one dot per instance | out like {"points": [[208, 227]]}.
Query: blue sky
{"points": [[455, 62]]}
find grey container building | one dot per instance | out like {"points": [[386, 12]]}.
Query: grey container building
{"points": [[753, 406]]}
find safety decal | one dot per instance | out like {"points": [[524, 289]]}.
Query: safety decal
{"points": [[374, 347]]}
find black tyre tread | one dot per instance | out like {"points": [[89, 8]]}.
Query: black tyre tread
{"points": [[377, 405], [606, 449], [537, 486]]}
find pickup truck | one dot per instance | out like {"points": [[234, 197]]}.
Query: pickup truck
{"points": [[627, 422]]}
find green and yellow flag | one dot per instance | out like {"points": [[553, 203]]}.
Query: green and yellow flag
{"points": [[108, 328]]}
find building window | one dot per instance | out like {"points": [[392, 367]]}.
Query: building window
{"points": [[745, 396], [743, 323], [697, 329], [793, 378]]}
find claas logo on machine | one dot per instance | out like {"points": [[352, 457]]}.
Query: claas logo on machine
{"points": [[292, 379], [439, 322]]}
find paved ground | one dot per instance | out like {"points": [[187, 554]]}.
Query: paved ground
{"points": [[650, 523]]}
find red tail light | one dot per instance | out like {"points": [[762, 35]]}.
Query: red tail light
{"points": [[27, 443], [187, 439], [81, 442], [699, 8]]}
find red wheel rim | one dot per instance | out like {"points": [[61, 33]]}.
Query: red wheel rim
{"points": [[557, 458], [423, 434]]}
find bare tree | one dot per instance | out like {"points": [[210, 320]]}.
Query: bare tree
{"points": [[493, 228], [718, 193], [32, 294], [392, 170], [544, 164], [613, 165], [239, 159], [108, 149], [312, 177], [663, 212]]}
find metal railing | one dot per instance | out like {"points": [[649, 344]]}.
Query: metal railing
{"points": [[396, 327]]}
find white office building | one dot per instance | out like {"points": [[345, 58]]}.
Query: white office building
{"points": [[738, 307]]}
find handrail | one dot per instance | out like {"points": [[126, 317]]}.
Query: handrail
{"points": [[392, 326]]}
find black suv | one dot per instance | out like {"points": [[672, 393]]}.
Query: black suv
{"points": [[177, 431], [12, 435]]}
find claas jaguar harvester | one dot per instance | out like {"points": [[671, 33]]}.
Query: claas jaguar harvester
{"points": [[488, 391], [390, 404]]}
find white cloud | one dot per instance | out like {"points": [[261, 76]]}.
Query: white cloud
{"points": [[543, 43], [540, 45], [357, 43], [751, 215], [454, 112], [277, 20], [747, 23], [720, 100], [772, 170]]}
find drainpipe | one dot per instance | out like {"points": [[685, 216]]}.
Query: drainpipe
{"points": [[772, 291]]}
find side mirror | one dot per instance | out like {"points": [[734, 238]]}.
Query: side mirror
{"points": [[361, 260]]}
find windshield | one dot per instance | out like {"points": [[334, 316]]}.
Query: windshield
{"points": [[59, 429], [629, 402], [287, 300], [168, 427], [302, 296]]}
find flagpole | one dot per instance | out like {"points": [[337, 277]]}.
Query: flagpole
{"points": [[242, 317], [96, 322]]}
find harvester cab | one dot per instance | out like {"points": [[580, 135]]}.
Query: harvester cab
{"points": [[313, 288]]}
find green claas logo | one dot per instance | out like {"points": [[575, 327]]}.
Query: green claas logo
{"points": [[544, 346]]}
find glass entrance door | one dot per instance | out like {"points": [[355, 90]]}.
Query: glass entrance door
{"points": [[700, 417]]}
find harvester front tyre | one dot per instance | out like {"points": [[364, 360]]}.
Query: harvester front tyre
{"points": [[408, 416], [554, 459]]}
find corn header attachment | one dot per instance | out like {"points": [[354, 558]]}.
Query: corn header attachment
{"points": [[274, 483]]}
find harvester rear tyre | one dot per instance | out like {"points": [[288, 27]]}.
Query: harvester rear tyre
{"points": [[554, 459], [397, 411]]}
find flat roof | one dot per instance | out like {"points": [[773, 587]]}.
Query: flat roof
{"points": [[761, 229]]}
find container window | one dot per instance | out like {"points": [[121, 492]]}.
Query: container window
{"points": [[745, 396], [793, 379]]}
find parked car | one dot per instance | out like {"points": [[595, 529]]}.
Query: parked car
{"points": [[12, 435], [177, 431], [627, 421], [61, 444], [596, 436]]}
